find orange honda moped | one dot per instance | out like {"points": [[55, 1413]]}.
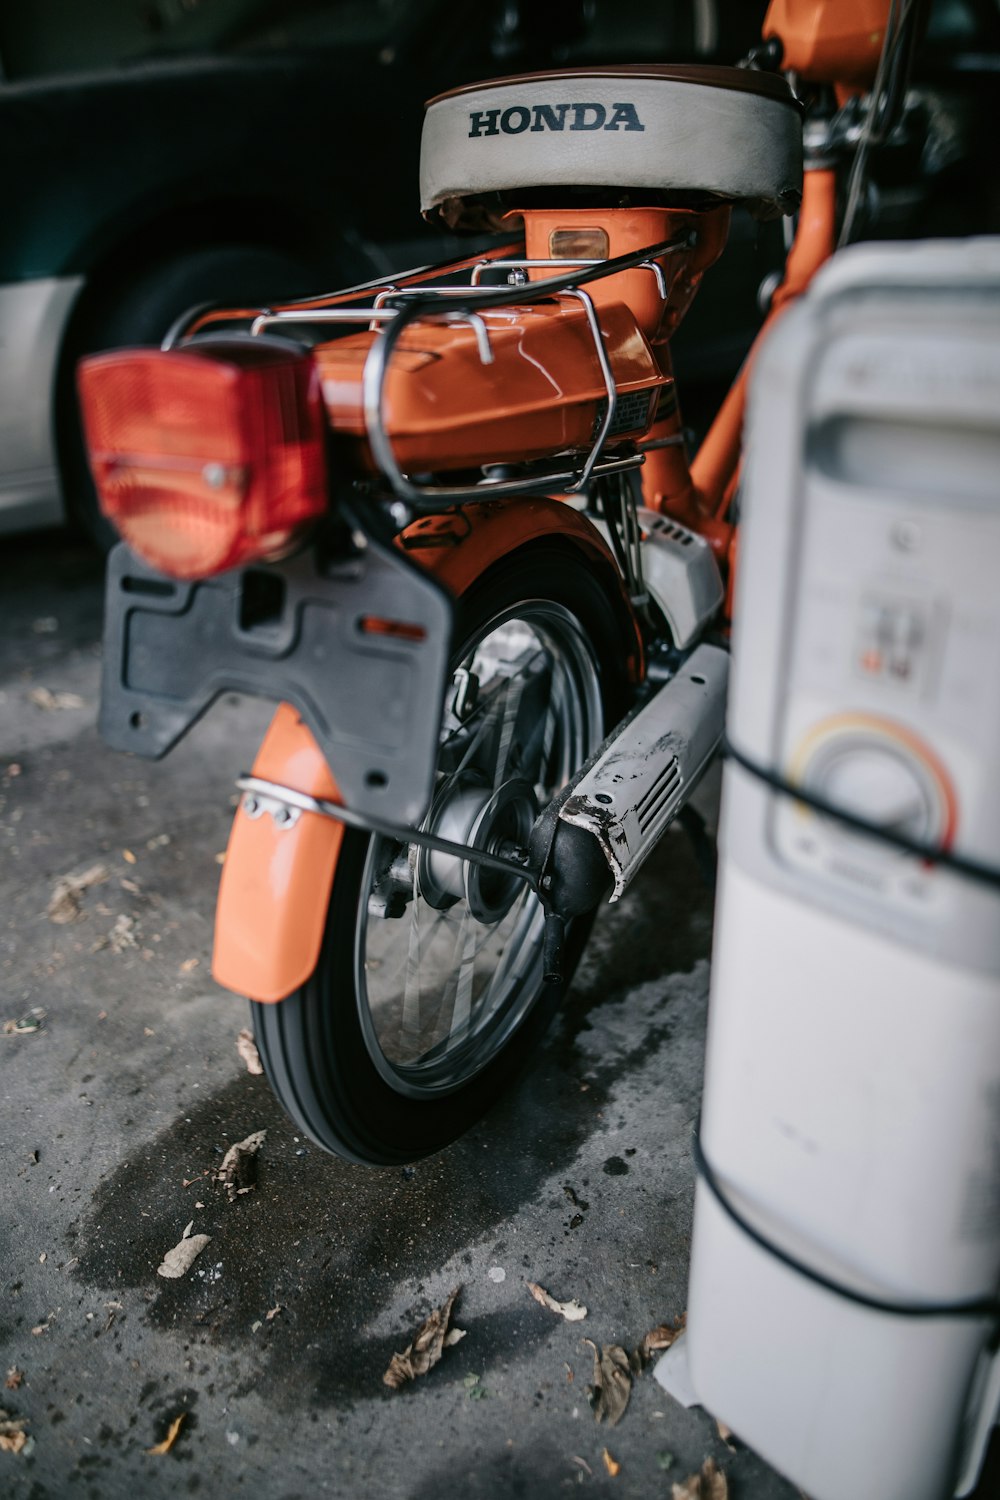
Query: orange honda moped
{"points": [[447, 520]]}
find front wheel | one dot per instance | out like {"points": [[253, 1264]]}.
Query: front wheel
{"points": [[429, 990]]}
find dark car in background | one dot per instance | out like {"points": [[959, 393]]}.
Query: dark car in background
{"points": [[163, 153]]}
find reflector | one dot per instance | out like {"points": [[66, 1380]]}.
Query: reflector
{"points": [[206, 457], [578, 244]]}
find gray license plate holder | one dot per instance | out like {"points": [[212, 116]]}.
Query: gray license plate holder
{"points": [[359, 646]]}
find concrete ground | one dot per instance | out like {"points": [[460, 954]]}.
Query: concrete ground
{"points": [[273, 1348]]}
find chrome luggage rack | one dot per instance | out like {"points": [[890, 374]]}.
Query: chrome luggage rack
{"points": [[394, 308]]}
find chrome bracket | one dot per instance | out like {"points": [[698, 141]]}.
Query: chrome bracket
{"points": [[417, 302], [553, 264], [256, 804], [565, 481]]}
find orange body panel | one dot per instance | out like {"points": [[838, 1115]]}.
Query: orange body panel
{"points": [[829, 41], [276, 882], [628, 230], [488, 531], [445, 409]]}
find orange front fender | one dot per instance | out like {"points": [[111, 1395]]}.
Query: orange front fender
{"points": [[276, 882]]}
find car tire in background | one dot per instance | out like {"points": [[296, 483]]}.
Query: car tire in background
{"points": [[140, 310]]}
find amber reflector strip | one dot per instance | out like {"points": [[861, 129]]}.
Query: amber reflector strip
{"points": [[400, 629], [578, 244]]}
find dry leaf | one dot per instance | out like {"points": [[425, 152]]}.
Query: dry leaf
{"points": [[247, 1049], [238, 1173], [189, 965], [14, 1378], [424, 1352], [121, 936], [171, 1437], [454, 1336], [611, 1464], [128, 856], [43, 697], [572, 1311], [12, 1434], [178, 1261], [612, 1383], [64, 903], [582, 1464], [708, 1484], [656, 1340], [273, 1312]]}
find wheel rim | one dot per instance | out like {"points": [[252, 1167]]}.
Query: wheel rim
{"points": [[443, 986]]}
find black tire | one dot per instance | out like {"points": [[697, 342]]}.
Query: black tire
{"points": [[140, 311], [360, 1069]]}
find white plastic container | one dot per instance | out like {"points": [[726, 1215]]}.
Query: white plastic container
{"points": [[852, 1099]]}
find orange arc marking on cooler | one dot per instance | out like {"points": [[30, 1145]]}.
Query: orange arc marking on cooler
{"points": [[894, 733]]}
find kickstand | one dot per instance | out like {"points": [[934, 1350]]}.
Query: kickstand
{"points": [[555, 933]]}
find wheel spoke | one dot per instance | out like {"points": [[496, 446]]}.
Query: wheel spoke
{"points": [[506, 729], [460, 986], [410, 1021]]}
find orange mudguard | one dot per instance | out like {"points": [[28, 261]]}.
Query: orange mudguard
{"points": [[276, 882]]}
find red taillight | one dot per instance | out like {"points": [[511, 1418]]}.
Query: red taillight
{"points": [[205, 457]]}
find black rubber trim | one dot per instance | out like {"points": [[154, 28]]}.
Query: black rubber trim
{"points": [[933, 854], [973, 1307]]}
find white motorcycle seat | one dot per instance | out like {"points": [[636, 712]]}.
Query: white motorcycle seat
{"points": [[726, 132]]}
